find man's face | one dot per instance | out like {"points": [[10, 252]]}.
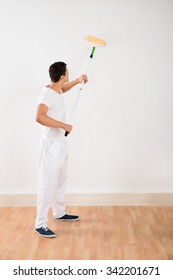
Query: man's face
{"points": [[66, 75]]}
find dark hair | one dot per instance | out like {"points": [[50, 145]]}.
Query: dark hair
{"points": [[56, 70]]}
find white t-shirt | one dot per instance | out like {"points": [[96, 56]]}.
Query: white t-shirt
{"points": [[54, 101]]}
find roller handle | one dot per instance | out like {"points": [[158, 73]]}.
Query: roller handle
{"points": [[91, 56], [66, 133], [92, 52]]}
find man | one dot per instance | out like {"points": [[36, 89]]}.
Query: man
{"points": [[53, 152]]}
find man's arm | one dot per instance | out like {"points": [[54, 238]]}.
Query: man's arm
{"points": [[44, 119], [69, 85]]}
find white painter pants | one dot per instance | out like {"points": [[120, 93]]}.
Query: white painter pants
{"points": [[52, 177]]}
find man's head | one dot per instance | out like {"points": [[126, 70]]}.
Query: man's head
{"points": [[58, 71]]}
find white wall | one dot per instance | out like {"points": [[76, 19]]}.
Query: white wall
{"points": [[123, 134]]}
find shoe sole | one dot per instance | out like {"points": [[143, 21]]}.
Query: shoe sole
{"points": [[66, 220], [47, 236]]}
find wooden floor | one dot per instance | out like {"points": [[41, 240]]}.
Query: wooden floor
{"points": [[104, 232]]}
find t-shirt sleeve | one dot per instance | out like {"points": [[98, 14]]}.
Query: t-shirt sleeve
{"points": [[46, 99]]}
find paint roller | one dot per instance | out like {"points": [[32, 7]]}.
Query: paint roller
{"points": [[96, 42]]}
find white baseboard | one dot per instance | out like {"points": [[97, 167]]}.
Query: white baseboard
{"points": [[93, 199]]}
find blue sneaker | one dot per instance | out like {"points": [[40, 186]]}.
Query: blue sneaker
{"points": [[68, 217], [45, 231]]}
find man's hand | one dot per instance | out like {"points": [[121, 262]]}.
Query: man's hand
{"points": [[67, 127], [83, 78]]}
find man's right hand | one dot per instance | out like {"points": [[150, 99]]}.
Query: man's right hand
{"points": [[68, 127]]}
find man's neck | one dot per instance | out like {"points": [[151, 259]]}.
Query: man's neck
{"points": [[56, 86]]}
